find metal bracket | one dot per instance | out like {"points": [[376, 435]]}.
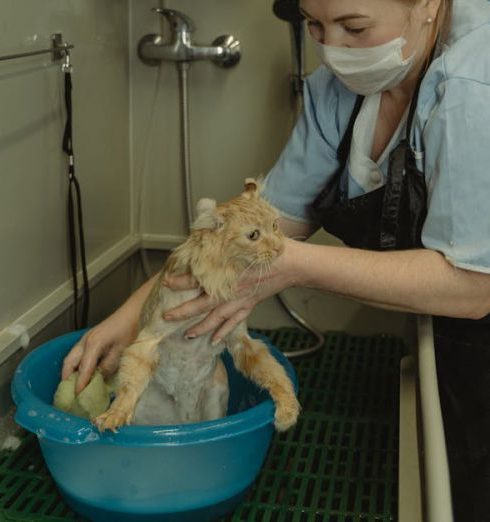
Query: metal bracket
{"points": [[59, 48]]}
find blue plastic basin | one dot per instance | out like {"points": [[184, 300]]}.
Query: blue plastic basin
{"points": [[192, 472]]}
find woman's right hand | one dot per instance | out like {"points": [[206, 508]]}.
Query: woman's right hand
{"points": [[101, 348], [102, 345]]}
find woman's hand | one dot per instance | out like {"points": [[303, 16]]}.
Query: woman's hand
{"points": [[253, 288], [102, 345]]}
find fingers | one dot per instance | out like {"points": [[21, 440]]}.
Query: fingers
{"points": [[228, 326], [93, 348], [110, 363], [86, 370], [199, 305], [222, 320], [71, 361], [183, 282], [82, 357]]}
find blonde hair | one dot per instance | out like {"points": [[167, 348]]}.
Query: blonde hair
{"points": [[442, 23]]}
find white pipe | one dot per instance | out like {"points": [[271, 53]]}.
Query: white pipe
{"points": [[409, 472], [437, 485]]}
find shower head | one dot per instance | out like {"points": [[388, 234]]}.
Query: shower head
{"points": [[287, 10]]}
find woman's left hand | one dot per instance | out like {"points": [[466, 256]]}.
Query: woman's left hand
{"points": [[253, 287]]}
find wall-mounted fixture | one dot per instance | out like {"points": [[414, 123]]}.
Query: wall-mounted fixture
{"points": [[179, 48], [152, 48], [58, 50]]}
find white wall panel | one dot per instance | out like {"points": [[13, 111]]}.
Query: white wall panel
{"points": [[33, 183], [240, 117]]}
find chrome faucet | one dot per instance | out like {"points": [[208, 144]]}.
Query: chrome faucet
{"points": [[152, 49]]}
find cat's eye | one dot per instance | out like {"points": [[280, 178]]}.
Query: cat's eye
{"points": [[253, 236]]}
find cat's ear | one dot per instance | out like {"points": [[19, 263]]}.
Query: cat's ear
{"points": [[207, 215], [252, 188]]}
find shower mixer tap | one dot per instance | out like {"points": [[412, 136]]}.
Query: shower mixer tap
{"points": [[152, 48]]}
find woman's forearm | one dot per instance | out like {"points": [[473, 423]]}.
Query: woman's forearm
{"points": [[418, 281], [296, 229], [131, 308]]}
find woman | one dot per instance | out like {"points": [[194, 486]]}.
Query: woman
{"points": [[391, 155]]}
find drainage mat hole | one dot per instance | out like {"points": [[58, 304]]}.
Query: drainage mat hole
{"points": [[16, 495]]}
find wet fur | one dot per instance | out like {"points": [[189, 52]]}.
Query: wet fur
{"points": [[164, 378]]}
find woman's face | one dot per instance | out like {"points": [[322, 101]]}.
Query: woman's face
{"points": [[366, 23]]}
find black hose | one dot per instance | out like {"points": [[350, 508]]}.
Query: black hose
{"points": [[75, 217]]}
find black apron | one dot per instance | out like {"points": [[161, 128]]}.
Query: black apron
{"points": [[391, 218]]}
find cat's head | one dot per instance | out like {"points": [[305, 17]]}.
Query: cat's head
{"points": [[243, 230]]}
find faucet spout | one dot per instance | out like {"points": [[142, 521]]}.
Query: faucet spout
{"points": [[178, 21]]}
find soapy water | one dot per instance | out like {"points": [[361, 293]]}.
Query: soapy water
{"points": [[55, 416], [91, 437]]}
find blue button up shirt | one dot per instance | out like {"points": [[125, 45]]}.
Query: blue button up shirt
{"points": [[450, 137]]}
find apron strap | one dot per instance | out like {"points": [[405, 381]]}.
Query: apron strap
{"points": [[332, 193], [345, 143]]}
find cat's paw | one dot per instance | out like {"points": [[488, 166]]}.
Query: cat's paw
{"points": [[112, 419], [286, 414]]}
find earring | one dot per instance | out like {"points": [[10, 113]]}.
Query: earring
{"points": [[430, 20]]}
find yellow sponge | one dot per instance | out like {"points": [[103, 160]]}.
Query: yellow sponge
{"points": [[93, 400]]}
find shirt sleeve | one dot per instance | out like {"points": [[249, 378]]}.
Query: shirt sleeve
{"points": [[457, 169], [310, 157]]}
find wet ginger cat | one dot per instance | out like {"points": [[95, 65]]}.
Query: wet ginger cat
{"points": [[164, 378]]}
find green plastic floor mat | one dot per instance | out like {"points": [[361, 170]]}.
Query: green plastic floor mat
{"points": [[338, 464]]}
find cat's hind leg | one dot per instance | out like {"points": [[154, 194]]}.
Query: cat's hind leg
{"points": [[253, 359], [215, 394], [136, 367]]}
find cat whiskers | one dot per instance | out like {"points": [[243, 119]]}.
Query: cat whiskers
{"points": [[251, 265], [266, 266], [259, 279]]}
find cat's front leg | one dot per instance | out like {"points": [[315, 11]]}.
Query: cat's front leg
{"points": [[136, 367], [253, 359]]}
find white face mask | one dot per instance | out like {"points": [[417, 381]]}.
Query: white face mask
{"points": [[368, 70]]}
